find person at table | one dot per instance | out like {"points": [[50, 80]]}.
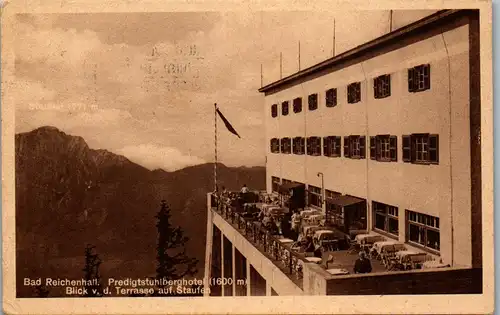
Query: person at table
{"points": [[318, 250], [244, 189], [224, 193], [296, 220], [362, 264], [309, 245]]}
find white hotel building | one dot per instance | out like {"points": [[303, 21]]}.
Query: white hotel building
{"points": [[393, 128], [395, 123]]}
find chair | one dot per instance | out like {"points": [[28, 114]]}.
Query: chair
{"points": [[330, 245], [354, 247]]}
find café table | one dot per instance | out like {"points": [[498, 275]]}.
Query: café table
{"points": [[381, 246], [368, 238]]}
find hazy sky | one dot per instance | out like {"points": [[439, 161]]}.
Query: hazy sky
{"points": [[143, 84]]}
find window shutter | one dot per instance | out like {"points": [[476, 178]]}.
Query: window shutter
{"points": [[434, 148], [375, 92], [406, 149], [378, 148], [388, 85], [372, 148], [326, 143], [349, 88], [413, 142], [362, 146], [308, 145], [271, 145], [346, 147], [393, 141], [411, 83], [427, 75], [337, 146]]}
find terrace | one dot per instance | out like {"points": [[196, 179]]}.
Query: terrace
{"points": [[334, 257]]}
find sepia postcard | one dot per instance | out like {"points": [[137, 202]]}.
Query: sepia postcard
{"points": [[224, 157]]}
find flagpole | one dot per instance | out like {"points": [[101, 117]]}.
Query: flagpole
{"points": [[215, 164]]}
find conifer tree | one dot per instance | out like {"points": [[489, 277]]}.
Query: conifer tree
{"points": [[172, 261], [91, 270]]}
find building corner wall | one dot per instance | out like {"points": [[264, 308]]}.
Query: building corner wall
{"points": [[208, 247]]}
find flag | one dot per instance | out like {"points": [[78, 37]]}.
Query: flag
{"points": [[228, 125]]}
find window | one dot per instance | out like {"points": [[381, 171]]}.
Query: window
{"points": [[275, 145], [421, 148], [419, 78], [286, 145], [297, 105], [313, 101], [284, 108], [275, 183], [354, 93], [331, 97], [334, 213], [299, 145], [314, 196], [314, 146], [382, 86], [384, 148], [354, 147], [274, 110], [423, 229], [331, 146], [385, 218]]}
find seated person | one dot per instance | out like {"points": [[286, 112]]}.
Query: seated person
{"points": [[318, 252], [309, 245], [244, 189], [362, 264]]}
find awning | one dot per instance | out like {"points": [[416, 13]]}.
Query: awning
{"points": [[344, 200], [285, 188]]}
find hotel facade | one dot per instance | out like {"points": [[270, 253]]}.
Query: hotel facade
{"points": [[384, 137]]}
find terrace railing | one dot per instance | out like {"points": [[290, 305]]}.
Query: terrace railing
{"points": [[290, 262]]}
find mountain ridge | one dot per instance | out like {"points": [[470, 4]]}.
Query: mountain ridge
{"points": [[68, 195]]}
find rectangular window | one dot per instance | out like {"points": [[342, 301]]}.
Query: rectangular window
{"points": [[354, 147], [382, 86], [284, 108], [313, 101], [275, 183], [419, 78], [299, 145], [334, 213], [286, 145], [274, 110], [314, 146], [354, 93], [385, 218], [331, 146], [421, 148], [297, 105], [383, 148], [275, 145], [423, 230], [331, 98], [314, 194]]}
